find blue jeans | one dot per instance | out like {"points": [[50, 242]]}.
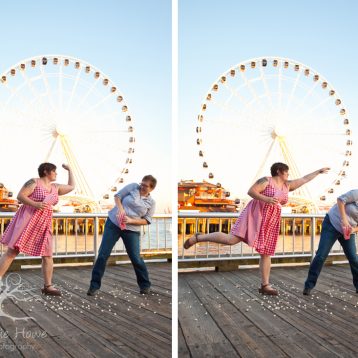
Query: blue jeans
{"points": [[329, 236], [130, 239]]}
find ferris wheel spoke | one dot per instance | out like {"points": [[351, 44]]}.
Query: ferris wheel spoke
{"points": [[48, 155], [102, 131], [226, 104], [236, 93], [318, 133], [318, 106], [15, 93], [293, 90], [238, 114], [74, 87], [60, 87], [34, 92], [267, 92], [303, 100], [249, 86], [112, 117], [96, 105], [20, 114], [280, 87], [48, 89], [224, 126], [297, 140], [88, 93]]}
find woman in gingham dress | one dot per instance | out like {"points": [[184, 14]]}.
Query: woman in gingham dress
{"points": [[30, 231], [259, 223]]}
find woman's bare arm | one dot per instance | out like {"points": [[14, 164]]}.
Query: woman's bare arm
{"points": [[24, 193], [66, 188], [256, 190], [296, 183]]}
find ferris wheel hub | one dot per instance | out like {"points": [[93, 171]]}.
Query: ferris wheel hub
{"points": [[60, 130], [278, 132]]}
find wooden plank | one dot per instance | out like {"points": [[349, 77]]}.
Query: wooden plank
{"points": [[183, 350], [203, 337], [20, 262], [231, 264]]}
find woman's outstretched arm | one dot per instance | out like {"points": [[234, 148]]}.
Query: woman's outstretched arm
{"points": [[296, 183]]}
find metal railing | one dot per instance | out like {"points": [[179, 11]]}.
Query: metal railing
{"points": [[80, 235], [299, 237]]}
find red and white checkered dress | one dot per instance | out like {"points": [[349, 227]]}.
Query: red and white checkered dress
{"points": [[259, 222], [30, 231]]}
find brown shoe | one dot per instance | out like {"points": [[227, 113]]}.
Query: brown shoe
{"points": [[268, 290], [193, 239], [50, 291]]}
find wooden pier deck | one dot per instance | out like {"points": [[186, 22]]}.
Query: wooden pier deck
{"points": [[221, 314], [118, 322]]}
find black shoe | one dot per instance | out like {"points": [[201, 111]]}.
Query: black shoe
{"points": [[92, 291], [306, 291], [145, 291]]}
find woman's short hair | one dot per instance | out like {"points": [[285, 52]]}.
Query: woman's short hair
{"points": [[45, 168], [277, 168], [151, 179]]}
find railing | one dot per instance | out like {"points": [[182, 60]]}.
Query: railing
{"points": [[298, 239], [79, 235]]}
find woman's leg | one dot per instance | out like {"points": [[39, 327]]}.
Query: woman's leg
{"points": [[219, 237], [6, 259], [265, 268], [47, 270]]}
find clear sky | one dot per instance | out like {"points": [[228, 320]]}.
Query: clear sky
{"points": [[130, 41], [215, 35]]}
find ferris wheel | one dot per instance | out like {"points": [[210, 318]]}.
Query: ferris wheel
{"points": [[62, 109], [272, 109]]}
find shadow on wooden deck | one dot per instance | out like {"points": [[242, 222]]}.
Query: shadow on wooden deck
{"points": [[223, 315], [118, 322]]}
